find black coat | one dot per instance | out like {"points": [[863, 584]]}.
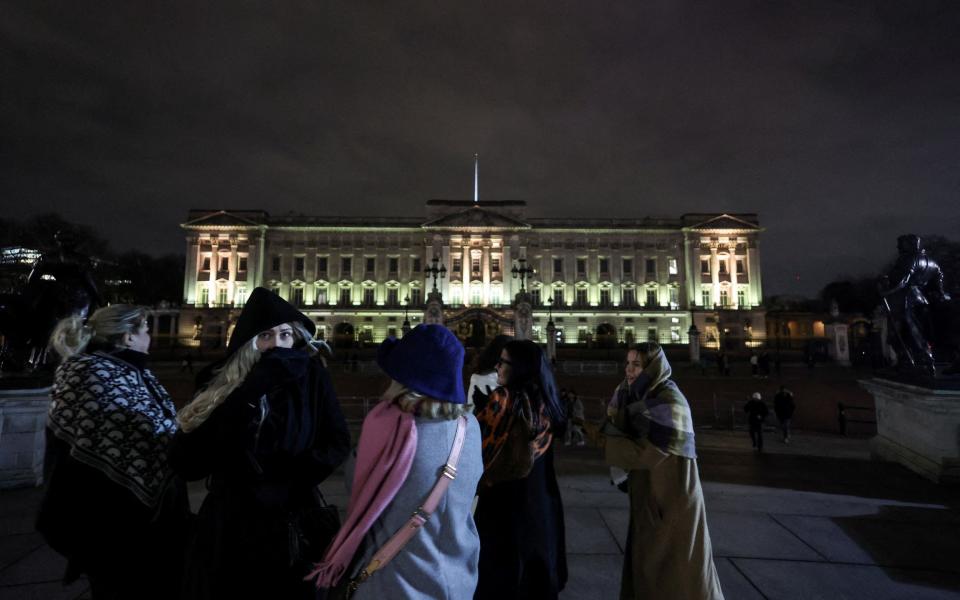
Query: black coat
{"points": [[126, 548], [522, 537], [263, 451]]}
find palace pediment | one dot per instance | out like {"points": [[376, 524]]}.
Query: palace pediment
{"points": [[223, 218], [476, 218], [724, 222]]}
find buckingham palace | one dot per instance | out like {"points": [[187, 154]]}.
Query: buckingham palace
{"points": [[597, 280]]}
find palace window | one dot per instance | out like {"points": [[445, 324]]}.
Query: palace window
{"points": [[224, 263], [344, 296], [723, 266], [393, 297], [321, 295], [535, 297], [652, 334], [742, 298], [705, 297], [221, 296], [416, 264], [457, 265], [495, 264], [651, 268], [205, 264], [240, 296], [605, 265], [581, 268], [368, 296], [629, 297], [371, 264], [740, 267], [705, 266], [558, 297], [672, 267], [299, 264], [321, 267], [296, 296], [724, 298], [475, 264], [605, 297], [393, 264], [476, 295], [652, 297], [557, 266], [628, 268], [203, 296], [242, 264], [674, 297], [275, 266], [581, 297], [416, 297], [346, 265]]}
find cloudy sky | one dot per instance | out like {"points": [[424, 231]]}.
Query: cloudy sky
{"points": [[837, 121]]}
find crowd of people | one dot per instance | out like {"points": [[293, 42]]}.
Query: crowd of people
{"points": [[453, 490]]}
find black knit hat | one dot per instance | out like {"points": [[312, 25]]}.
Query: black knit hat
{"points": [[264, 310]]}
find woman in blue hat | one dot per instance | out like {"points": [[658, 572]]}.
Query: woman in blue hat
{"points": [[264, 431], [520, 512], [409, 454]]}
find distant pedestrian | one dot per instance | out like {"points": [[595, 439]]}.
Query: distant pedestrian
{"points": [[764, 363], [754, 364], [783, 406], [723, 364], [756, 411], [842, 418]]}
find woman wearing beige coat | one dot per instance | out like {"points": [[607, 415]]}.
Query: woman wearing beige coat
{"points": [[650, 435]]}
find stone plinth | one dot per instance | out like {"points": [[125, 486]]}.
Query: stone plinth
{"points": [[23, 418], [918, 427]]}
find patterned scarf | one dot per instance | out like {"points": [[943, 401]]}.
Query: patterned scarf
{"points": [[496, 418], [115, 419]]}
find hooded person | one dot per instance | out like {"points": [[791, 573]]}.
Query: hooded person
{"points": [[405, 441], [649, 433], [264, 431]]}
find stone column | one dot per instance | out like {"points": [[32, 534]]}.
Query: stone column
{"points": [[522, 317], [433, 314], [485, 273], [732, 268], [190, 273], [214, 267], [714, 275], [551, 341], [838, 348], [232, 278], [694, 340]]}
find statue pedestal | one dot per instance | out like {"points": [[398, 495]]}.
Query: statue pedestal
{"points": [[918, 428], [23, 418]]}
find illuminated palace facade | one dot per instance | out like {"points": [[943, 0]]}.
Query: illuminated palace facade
{"points": [[597, 278]]}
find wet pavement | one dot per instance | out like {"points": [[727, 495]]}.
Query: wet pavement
{"points": [[813, 519]]}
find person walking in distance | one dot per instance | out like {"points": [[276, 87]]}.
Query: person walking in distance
{"points": [[756, 411], [783, 406]]}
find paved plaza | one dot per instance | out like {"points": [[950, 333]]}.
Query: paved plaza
{"points": [[815, 519]]}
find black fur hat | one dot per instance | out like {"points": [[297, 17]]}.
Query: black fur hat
{"points": [[264, 310]]}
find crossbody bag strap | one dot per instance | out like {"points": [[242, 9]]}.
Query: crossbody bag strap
{"points": [[389, 550]]}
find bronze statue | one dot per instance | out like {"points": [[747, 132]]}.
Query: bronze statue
{"points": [[917, 281]]}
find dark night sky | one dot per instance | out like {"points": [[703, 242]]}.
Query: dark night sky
{"points": [[838, 122]]}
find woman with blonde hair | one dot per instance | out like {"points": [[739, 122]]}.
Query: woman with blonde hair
{"points": [[112, 505], [265, 431], [419, 455]]}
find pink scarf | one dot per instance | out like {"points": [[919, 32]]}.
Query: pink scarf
{"points": [[388, 442]]}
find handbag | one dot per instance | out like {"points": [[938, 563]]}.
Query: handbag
{"points": [[515, 458], [311, 529], [395, 544]]}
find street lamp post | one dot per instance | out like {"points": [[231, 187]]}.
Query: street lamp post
{"points": [[522, 273], [436, 272]]}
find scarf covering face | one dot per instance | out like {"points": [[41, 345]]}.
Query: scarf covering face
{"points": [[388, 443], [656, 409], [115, 419]]}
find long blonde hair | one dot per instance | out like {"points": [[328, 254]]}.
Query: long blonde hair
{"points": [[105, 328], [228, 378], [424, 406]]}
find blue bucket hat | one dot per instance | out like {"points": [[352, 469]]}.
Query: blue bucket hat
{"points": [[428, 360]]}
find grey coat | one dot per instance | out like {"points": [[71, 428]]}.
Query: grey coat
{"points": [[440, 562]]}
